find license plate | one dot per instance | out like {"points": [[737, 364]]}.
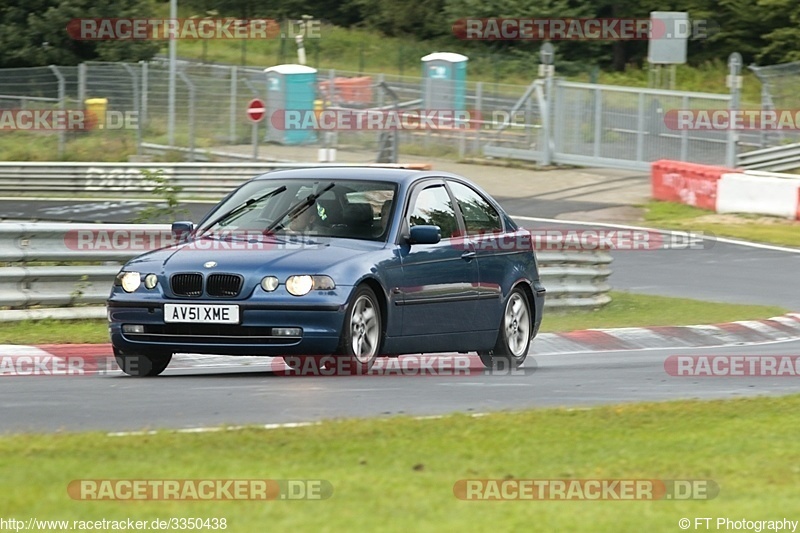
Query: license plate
{"points": [[201, 314]]}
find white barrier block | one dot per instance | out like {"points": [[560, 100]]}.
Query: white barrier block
{"points": [[761, 195]]}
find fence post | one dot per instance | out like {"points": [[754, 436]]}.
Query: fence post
{"points": [[640, 129], [598, 120], [735, 85], [135, 107], [82, 84], [232, 127], [479, 112], [547, 57], [62, 97], [145, 82], [684, 132], [191, 87]]}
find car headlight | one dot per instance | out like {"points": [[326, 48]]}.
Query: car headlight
{"points": [[302, 285], [269, 283], [129, 281], [299, 285], [150, 281]]}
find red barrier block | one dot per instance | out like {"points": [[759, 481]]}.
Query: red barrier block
{"points": [[686, 183]]}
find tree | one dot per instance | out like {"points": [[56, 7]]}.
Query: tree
{"points": [[34, 32]]}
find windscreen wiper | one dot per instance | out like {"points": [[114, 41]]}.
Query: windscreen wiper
{"points": [[299, 206], [242, 207]]}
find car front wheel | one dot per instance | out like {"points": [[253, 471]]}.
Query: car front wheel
{"points": [[363, 332], [514, 337], [140, 365]]}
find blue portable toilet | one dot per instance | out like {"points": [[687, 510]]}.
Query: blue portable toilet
{"points": [[290, 88], [444, 79]]}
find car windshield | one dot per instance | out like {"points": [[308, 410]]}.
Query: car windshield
{"points": [[353, 209]]}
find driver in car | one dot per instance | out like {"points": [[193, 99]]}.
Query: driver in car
{"points": [[307, 219]]}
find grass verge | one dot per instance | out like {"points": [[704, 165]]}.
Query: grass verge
{"points": [[625, 310], [398, 474], [772, 230]]}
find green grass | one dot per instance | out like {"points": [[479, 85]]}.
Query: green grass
{"points": [[625, 310], [54, 332], [771, 230], [398, 474]]}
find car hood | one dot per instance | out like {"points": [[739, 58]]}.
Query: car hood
{"points": [[302, 256]]}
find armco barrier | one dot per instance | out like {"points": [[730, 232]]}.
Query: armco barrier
{"points": [[687, 183], [98, 179], [575, 279]]}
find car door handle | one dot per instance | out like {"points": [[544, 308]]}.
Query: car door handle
{"points": [[468, 256]]}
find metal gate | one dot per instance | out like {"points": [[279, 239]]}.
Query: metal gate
{"points": [[611, 126]]}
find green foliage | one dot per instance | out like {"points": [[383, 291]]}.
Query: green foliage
{"points": [[170, 209], [33, 32]]}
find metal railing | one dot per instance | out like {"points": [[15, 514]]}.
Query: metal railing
{"points": [[35, 282], [97, 179], [776, 159]]}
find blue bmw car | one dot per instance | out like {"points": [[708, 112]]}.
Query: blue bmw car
{"points": [[356, 263]]}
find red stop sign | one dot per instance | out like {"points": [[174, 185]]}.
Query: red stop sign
{"points": [[256, 110]]}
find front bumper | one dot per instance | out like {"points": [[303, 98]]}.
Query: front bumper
{"points": [[320, 324]]}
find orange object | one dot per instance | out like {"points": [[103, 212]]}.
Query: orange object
{"points": [[349, 90], [686, 183]]}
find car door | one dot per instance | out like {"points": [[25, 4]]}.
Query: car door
{"points": [[439, 287], [493, 247]]}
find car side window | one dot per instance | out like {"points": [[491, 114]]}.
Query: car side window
{"points": [[479, 215], [433, 207]]}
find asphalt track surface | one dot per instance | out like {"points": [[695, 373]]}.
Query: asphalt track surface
{"points": [[230, 392]]}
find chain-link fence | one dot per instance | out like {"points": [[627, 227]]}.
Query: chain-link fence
{"points": [[779, 84], [550, 120]]}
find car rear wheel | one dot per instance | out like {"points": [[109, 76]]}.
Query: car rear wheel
{"points": [[140, 365], [362, 333], [514, 337]]}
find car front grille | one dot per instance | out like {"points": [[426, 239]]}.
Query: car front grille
{"points": [[187, 284], [224, 285]]}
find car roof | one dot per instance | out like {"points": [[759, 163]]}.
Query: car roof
{"points": [[401, 176]]}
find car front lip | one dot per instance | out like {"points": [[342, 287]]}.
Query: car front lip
{"points": [[320, 322]]}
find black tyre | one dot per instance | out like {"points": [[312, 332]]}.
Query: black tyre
{"points": [[139, 365], [514, 336], [362, 333]]}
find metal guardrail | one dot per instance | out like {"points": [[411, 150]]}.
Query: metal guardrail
{"points": [[99, 179], [776, 159], [31, 286]]}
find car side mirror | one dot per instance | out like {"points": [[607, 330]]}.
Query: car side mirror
{"points": [[181, 230], [425, 235]]}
